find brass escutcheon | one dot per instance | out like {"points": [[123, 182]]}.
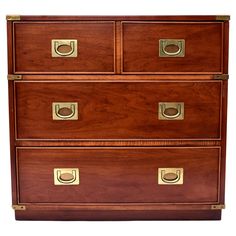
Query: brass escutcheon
{"points": [[171, 111], [66, 176], [171, 176], [64, 47], [177, 47], [65, 111]]}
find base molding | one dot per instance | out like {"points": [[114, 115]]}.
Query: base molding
{"points": [[113, 215]]}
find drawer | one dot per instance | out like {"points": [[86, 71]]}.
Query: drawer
{"points": [[144, 175], [174, 47], [64, 47], [118, 110]]}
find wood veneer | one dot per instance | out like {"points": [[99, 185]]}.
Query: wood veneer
{"points": [[118, 141], [129, 109]]}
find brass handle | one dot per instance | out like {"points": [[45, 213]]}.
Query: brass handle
{"points": [[171, 48], [71, 111], [64, 48], [171, 111], [175, 111], [66, 176], [65, 111], [170, 175]]}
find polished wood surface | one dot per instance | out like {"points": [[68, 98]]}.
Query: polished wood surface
{"points": [[12, 142], [118, 142], [10, 46], [121, 78], [118, 47], [118, 206], [225, 53], [118, 110], [224, 134], [119, 215], [123, 18], [141, 53], [118, 175], [96, 50]]}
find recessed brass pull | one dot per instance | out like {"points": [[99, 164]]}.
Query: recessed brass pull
{"points": [[65, 111], [66, 176], [171, 111], [171, 48], [170, 175], [64, 48]]}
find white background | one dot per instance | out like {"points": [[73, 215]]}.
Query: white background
{"points": [[120, 7]]}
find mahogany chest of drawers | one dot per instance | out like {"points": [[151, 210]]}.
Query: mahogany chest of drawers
{"points": [[118, 117]]}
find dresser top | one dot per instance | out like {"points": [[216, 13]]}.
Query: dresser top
{"points": [[122, 18]]}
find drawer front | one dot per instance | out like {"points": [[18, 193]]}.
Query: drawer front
{"points": [[118, 110], [172, 47], [118, 175], [58, 47]]}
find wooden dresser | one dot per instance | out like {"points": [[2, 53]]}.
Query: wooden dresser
{"points": [[118, 117]]}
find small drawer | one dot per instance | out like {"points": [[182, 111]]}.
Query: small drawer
{"points": [[64, 47], [118, 110], [175, 47], [138, 175]]}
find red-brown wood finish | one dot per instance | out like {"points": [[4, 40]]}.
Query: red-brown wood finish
{"points": [[12, 141], [129, 109], [203, 42], [226, 47], [96, 47], [119, 175], [224, 133], [118, 215], [118, 142], [122, 18], [10, 46], [11, 112], [119, 77]]}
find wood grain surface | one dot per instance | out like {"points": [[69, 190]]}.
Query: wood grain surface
{"points": [[96, 50], [118, 142], [118, 175], [203, 47], [118, 110]]}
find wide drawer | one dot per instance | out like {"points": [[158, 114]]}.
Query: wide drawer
{"points": [[118, 110], [162, 175], [172, 47], [64, 47]]}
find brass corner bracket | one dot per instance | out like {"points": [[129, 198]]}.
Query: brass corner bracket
{"points": [[223, 17], [14, 77], [221, 77], [19, 207], [13, 17], [217, 207]]}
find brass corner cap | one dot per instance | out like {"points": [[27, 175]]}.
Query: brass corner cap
{"points": [[12, 17], [221, 77], [19, 207], [14, 77], [223, 17], [218, 207]]}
